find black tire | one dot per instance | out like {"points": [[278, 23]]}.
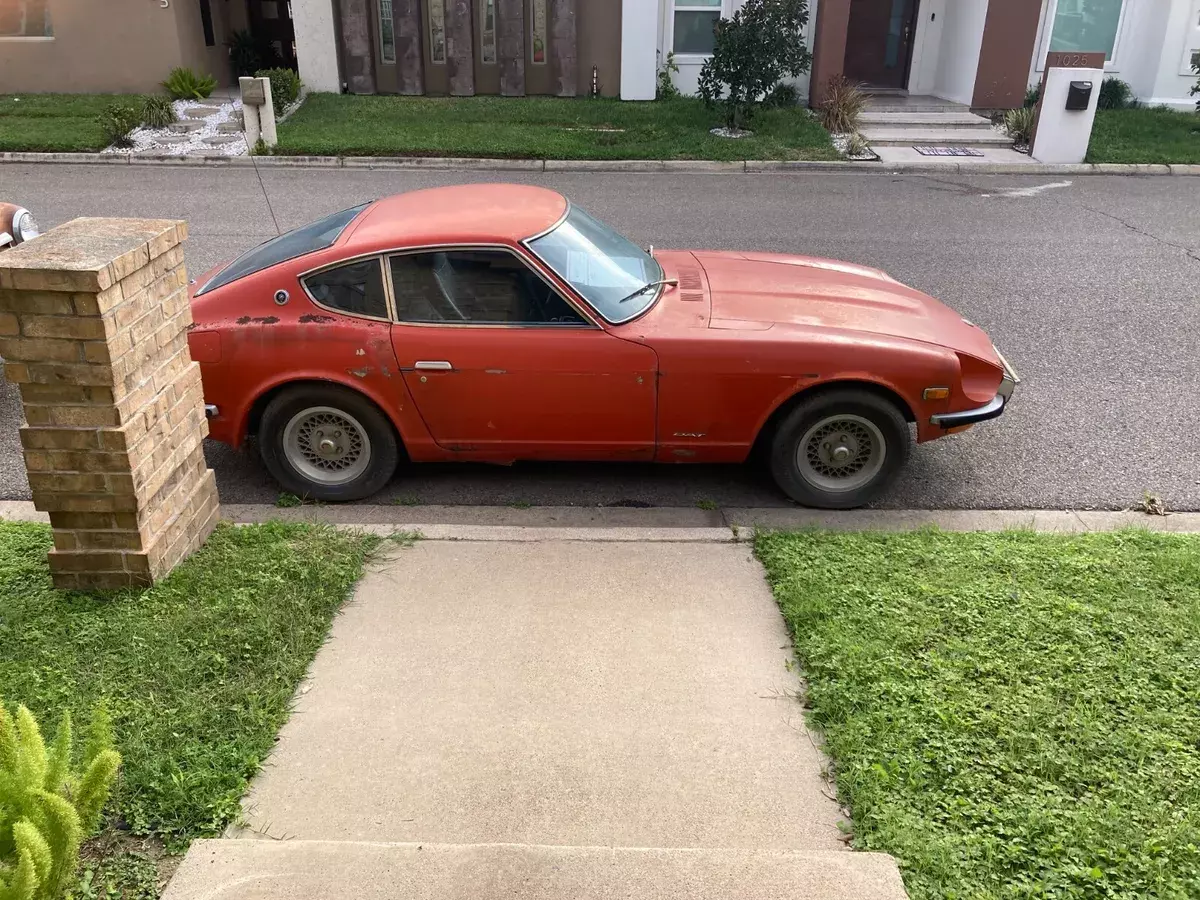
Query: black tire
{"points": [[383, 452], [889, 423]]}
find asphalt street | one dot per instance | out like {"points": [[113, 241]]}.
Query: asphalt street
{"points": [[1090, 285]]}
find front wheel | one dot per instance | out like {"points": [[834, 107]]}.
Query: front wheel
{"points": [[327, 443], [839, 449]]}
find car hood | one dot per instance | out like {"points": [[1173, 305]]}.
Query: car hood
{"points": [[753, 289]]}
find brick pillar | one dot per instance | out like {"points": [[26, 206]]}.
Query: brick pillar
{"points": [[93, 328]]}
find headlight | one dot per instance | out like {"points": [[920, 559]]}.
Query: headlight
{"points": [[24, 227]]}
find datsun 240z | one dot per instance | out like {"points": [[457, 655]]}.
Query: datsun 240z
{"points": [[494, 323]]}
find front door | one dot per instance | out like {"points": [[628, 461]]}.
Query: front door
{"points": [[501, 366], [879, 41], [274, 33]]}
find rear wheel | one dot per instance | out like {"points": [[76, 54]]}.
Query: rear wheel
{"points": [[327, 443], [839, 449]]}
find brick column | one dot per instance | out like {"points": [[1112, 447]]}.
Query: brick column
{"points": [[93, 328]]}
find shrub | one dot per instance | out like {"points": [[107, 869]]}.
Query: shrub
{"points": [[756, 49], [857, 145], [157, 111], [1196, 87], [1032, 96], [184, 84], [47, 808], [243, 52], [116, 121], [285, 86], [1115, 94], [1019, 124], [782, 96], [666, 89], [842, 106]]}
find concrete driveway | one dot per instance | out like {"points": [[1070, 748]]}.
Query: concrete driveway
{"points": [[1088, 284], [551, 719]]}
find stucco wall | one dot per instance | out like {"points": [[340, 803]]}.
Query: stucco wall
{"points": [[962, 36], [316, 44], [117, 46], [1150, 51]]}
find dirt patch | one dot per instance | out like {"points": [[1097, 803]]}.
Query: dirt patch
{"points": [[117, 865]]}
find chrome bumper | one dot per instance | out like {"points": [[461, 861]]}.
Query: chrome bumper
{"points": [[993, 409]]}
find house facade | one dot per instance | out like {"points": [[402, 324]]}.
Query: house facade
{"points": [[982, 53]]}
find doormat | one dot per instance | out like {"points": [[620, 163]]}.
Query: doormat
{"points": [[948, 151]]}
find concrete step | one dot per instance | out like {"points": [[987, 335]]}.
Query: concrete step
{"points": [[200, 112], [322, 870], [946, 119], [896, 136], [218, 139], [185, 126], [234, 127]]}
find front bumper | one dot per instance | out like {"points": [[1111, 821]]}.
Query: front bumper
{"points": [[993, 409]]}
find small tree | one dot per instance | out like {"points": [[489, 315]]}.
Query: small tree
{"points": [[762, 44]]}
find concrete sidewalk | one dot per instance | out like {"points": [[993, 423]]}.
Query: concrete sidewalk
{"points": [[548, 719]]}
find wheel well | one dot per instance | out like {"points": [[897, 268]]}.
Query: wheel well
{"points": [[254, 417], [768, 430]]}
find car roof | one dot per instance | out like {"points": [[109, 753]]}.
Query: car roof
{"points": [[465, 213]]}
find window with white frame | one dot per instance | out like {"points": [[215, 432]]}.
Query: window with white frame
{"points": [[694, 23], [25, 18], [1086, 26]]}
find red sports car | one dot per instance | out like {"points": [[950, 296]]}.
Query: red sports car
{"points": [[500, 322]]}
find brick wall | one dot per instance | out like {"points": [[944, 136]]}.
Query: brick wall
{"points": [[93, 328]]}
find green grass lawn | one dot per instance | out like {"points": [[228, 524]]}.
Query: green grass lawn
{"points": [[198, 671], [540, 128], [1011, 715], [61, 123], [1145, 136]]}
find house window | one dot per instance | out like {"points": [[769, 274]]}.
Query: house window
{"points": [[537, 33], [695, 21], [1086, 26], [487, 29], [210, 39], [25, 18], [387, 33], [437, 31]]}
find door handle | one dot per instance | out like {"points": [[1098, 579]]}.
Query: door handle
{"points": [[439, 365]]}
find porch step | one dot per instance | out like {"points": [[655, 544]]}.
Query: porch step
{"points": [[899, 136], [900, 102], [946, 119], [319, 870]]}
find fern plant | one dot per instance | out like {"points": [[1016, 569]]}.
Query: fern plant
{"points": [[184, 84], [47, 807]]}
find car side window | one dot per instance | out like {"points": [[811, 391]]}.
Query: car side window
{"points": [[355, 288], [475, 287]]}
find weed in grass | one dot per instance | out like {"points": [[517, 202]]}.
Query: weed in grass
{"points": [[198, 671], [707, 503], [520, 504], [408, 500], [1010, 715], [288, 501]]}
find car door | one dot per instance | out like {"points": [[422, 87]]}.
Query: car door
{"points": [[500, 365]]}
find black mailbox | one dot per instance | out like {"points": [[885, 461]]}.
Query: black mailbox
{"points": [[1079, 94]]}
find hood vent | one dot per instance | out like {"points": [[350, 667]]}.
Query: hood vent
{"points": [[691, 287]]}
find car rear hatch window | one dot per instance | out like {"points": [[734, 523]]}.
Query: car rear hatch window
{"points": [[309, 238]]}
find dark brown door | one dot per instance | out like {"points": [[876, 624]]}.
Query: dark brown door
{"points": [[879, 41], [433, 42], [274, 34]]}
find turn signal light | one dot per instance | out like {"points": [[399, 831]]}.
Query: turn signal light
{"points": [[936, 393]]}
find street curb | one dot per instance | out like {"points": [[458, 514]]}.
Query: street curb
{"points": [[686, 524], [630, 166]]}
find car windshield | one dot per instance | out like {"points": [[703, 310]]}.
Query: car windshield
{"points": [[604, 267], [315, 236]]}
